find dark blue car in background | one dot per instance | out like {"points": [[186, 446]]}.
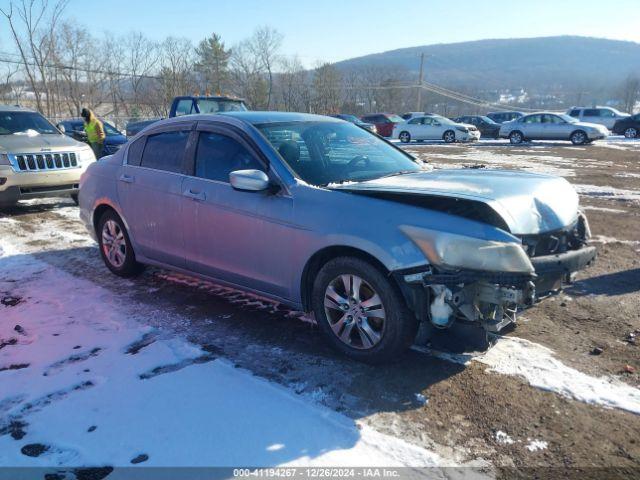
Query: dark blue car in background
{"points": [[74, 128]]}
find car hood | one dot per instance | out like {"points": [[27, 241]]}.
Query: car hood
{"points": [[37, 143], [528, 203]]}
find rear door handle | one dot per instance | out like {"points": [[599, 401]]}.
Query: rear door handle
{"points": [[195, 195], [126, 178]]}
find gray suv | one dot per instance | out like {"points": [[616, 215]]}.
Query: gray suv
{"points": [[321, 215]]}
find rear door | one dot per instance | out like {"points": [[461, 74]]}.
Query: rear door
{"points": [[243, 238], [150, 193]]}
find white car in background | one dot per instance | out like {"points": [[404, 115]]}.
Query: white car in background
{"points": [[606, 116], [434, 127]]}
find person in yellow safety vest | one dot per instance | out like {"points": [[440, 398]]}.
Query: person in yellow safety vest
{"points": [[95, 131]]}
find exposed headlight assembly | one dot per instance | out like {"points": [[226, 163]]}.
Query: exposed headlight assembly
{"points": [[450, 250]]}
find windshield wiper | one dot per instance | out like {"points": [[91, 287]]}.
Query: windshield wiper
{"points": [[395, 174]]}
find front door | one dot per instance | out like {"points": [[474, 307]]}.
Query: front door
{"points": [[150, 192], [240, 237]]}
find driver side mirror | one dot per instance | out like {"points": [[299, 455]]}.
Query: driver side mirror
{"points": [[249, 180], [61, 128]]}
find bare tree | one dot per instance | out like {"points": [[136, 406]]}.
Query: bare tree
{"points": [[630, 93], [265, 45], [176, 73], [248, 76], [33, 26], [141, 57], [292, 84], [327, 84]]}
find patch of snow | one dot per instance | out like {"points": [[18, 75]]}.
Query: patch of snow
{"points": [[421, 399], [605, 240], [537, 365], [603, 209], [608, 192], [502, 438], [170, 400], [535, 445], [627, 175]]}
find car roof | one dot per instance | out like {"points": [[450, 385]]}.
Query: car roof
{"points": [[14, 108], [252, 117]]}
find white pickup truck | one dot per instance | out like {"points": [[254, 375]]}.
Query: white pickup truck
{"points": [[36, 159]]}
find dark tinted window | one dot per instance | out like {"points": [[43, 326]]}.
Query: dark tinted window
{"points": [[218, 155], [134, 155], [591, 112], [575, 113], [165, 151]]}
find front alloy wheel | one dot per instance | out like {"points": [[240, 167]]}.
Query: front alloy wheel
{"points": [[579, 138], [354, 311], [449, 136], [405, 137], [361, 311], [115, 247], [631, 133]]}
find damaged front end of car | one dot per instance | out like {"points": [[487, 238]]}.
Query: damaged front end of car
{"points": [[487, 282]]}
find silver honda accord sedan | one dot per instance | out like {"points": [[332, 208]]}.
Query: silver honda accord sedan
{"points": [[323, 216]]}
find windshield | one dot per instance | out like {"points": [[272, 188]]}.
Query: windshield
{"points": [[210, 105], [110, 130], [21, 122], [488, 120], [567, 118], [396, 118], [321, 153]]}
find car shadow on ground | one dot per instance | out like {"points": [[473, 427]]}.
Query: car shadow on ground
{"points": [[610, 284], [271, 341], [25, 208]]}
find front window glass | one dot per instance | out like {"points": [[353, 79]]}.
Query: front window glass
{"points": [[184, 107], [218, 155], [591, 112], [322, 153], [574, 113], [488, 120], [23, 122], [566, 118], [533, 119], [395, 118]]}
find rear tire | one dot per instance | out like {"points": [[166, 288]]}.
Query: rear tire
{"points": [[369, 321], [115, 246], [516, 137], [631, 132], [579, 137], [405, 137], [449, 136]]}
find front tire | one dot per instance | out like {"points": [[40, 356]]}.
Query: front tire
{"points": [[74, 197], [405, 137], [449, 136], [516, 138], [631, 133], [579, 137], [115, 246], [360, 312]]}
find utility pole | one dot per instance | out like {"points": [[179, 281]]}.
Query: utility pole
{"points": [[419, 104]]}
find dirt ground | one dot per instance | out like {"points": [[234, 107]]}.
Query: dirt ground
{"points": [[460, 410]]}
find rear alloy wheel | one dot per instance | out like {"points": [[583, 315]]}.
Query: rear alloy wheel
{"points": [[115, 247], [516, 137], [631, 133], [579, 138], [449, 136], [405, 137], [360, 312]]}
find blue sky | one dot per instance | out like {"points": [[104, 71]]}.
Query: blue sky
{"points": [[331, 30]]}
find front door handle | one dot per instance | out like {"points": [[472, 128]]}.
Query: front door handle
{"points": [[195, 195], [126, 178]]}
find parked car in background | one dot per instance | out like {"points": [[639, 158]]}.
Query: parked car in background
{"points": [[552, 126], [606, 116], [434, 127], [356, 121], [628, 126], [249, 200], [74, 128], [189, 105], [487, 127], [409, 115], [36, 159], [384, 122], [502, 117]]}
